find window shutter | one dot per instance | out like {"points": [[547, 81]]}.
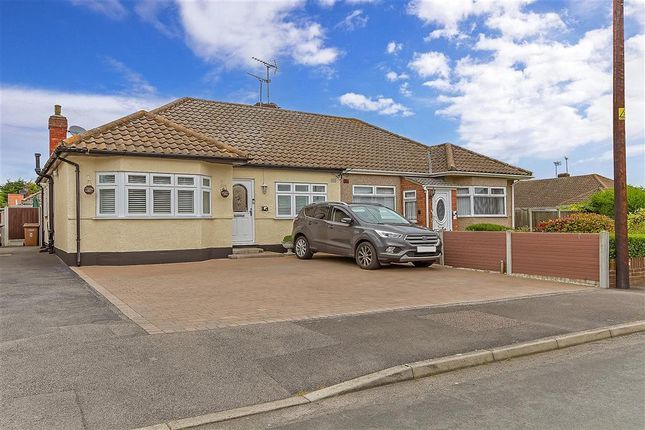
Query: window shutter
{"points": [[161, 201], [137, 201], [185, 201], [107, 201]]}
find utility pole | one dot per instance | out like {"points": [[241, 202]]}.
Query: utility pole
{"points": [[620, 175]]}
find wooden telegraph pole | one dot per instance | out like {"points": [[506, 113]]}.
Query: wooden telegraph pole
{"points": [[620, 175]]}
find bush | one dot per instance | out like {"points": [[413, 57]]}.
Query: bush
{"points": [[287, 239], [635, 245], [636, 221], [603, 201], [486, 227], [578, 223]]}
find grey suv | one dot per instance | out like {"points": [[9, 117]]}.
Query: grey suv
{"points": [[371, 233]]}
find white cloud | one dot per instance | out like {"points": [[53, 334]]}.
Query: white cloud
{"points": [[356, 19], [23, 120], [438, 84], [393, 76], [405, 90], [542, 98], [151, 11], [380, 105], [232, 32], [635, 9], [113, 9], [506, 16], [393, 47], [137, 85], [430, 64]]}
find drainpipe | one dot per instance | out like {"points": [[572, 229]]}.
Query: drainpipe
{"points": [[513, 203], [50, 188], [78, 208], [42, 217], [427, 208]]}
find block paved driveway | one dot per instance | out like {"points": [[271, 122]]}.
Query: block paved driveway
{"points": [[222, 293]]}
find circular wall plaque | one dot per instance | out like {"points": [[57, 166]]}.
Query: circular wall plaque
{"points": [[88, 189]]}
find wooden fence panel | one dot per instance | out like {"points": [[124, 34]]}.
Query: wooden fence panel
{"points": [[475, 249], [562, 255], [19, 216]]}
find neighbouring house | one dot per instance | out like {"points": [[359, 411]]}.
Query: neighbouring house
{"points": [[195, 178], [538, 200], [14, 199]]}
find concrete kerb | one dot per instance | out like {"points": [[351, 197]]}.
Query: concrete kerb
{"points": [[410, 371]]}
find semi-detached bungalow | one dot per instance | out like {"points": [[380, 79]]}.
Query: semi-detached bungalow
{"points": [[195, 178]]}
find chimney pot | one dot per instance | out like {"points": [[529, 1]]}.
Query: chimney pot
{"points": [[57, 109]]}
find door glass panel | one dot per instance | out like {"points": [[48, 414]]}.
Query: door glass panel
{"points": [[240, 198], [441, 210]]}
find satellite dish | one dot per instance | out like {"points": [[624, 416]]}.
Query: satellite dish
{"points": [[75, 129]]}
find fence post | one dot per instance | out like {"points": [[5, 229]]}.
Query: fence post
{"points": [[530, 219], [443, 248], [603, 260], [509, 252]]}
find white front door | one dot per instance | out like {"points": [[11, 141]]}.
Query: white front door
{"points": [[243, 220], [441, 210]]}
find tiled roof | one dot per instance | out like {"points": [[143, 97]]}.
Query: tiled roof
{"points": [[147, 134], [429, 182], [281, 137], [556, 192], [452, 158]]}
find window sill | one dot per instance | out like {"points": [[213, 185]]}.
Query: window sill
{"points": [[482, 216], [153, 217]]}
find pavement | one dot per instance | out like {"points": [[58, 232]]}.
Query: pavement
{"points": [[70, 359], [213, 294], [600, 385]]}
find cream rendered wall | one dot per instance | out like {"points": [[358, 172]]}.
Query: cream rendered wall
{"points": [[269, 229], [485, 182], [115, 235]]}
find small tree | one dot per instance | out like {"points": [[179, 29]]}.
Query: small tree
{"points": [[14, 187], [603, 201]]}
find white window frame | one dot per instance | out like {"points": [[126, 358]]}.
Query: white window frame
{"points": [[410, 196], [374, 193], [292, 193], [471, 194], [121, 187]]}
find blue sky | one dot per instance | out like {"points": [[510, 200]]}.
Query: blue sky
{"points": [[528, 82]]}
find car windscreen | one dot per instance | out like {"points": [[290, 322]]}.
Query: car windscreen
{"points": [[377, 215]]}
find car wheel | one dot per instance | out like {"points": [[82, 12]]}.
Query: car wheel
{"points": [[301, 248], [366, 257], [422, 263]]}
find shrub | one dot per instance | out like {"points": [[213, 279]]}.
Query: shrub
{"points": [[636, 221], [287, 239], [635, 245], [603, 201], [578, 223], [486, 227]]}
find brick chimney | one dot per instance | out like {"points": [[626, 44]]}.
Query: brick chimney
{"points": [[57, 129]]}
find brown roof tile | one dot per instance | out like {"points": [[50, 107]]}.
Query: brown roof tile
{"points": [[145, 133], [556, 192], [452, 158], [281, 137]]}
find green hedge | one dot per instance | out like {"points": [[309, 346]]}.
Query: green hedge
{"points": [[635, 245], [486, 227], [577, 223]]}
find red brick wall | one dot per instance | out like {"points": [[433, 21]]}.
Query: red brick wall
{"points": [[475, 249], [455, 221], [562, 255], [421, 199], [636, 272]]}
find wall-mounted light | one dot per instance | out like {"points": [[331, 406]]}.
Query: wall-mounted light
{"points": [[264, 188], [224, 192]]}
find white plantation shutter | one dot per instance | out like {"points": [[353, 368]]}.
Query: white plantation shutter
{"points": [[137, 201], [185, 201], [107, 201], [161, 202]]}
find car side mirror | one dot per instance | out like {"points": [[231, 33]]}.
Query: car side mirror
{"points": [[346, 220]]}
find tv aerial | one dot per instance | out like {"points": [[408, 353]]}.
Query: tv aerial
{"points": [[267, 80], [75, 129]]}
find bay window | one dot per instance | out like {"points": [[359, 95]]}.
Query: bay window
{"points": [[152, 195], [292, 197], [481, 201], [383, 195]]}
